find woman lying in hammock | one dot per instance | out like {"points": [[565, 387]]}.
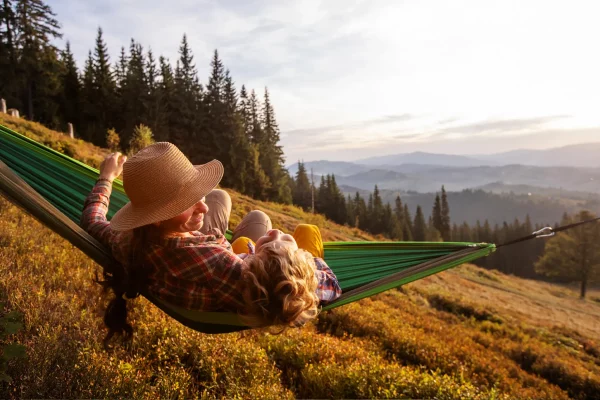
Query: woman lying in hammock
{"points": [[169, 240]]}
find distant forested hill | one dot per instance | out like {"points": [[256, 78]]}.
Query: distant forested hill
{"points": [[472, 205]]}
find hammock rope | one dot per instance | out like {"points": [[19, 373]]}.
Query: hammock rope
{"points": [[52, 187]]}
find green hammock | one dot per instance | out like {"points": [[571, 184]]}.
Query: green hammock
{"points": [[52, 187]]}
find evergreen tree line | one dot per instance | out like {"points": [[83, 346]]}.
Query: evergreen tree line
{"points": [[397, 223], [372, 215], [106, 102]]}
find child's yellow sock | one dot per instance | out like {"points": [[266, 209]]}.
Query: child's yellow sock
{"points": [[309, 238], [240, 245]]}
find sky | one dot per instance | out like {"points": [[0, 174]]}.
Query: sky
{"points": [[352, 79]]}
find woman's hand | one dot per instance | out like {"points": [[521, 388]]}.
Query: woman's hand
{"points": [[112, 166]]}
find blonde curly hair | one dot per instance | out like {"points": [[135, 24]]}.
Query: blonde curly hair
{"points": [[279, 287]]}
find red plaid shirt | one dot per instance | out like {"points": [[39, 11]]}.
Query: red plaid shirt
{"points": [[197, 273]]}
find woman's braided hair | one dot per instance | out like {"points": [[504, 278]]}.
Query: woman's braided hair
{"points": [[126, 282]]}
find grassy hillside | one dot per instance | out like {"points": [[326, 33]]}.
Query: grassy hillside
{"points": [[464, 333]]}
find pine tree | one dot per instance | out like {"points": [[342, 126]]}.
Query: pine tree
{"points": [[187, 120], [431, 233], [468, 233], [456, 234], [377, 217], [238, 147], [361, 212], [70, 103], [134, 92], [119, 119], [121, 69], [338, 205], [330, 200], [271, 154], [151, 72], [399, 209], [256, 135], [486, 234], [419, 226], [398, 232], [88, 95], [255, 130], [284, 192], [407, 228], [38, 64], [105, 91], [9, 81], [368, 225], [258, 182], [219, 135], [155, 114], [165, 93], [445, 216], [245, 112], [389, 222], [321, 200], [302, 191], [350, 212], [436, 214], [477, 232]]}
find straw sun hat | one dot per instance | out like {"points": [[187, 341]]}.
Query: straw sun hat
{"points": [[161, 183]]}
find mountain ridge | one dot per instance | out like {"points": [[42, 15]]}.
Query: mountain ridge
{"points": [[576, 155]]}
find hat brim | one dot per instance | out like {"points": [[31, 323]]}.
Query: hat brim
{"points": [[130, 217]]}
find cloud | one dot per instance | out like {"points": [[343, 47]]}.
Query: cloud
{"points": [[388, 119], [410, 136], [351, 127], [502, 125], [447, 121]]}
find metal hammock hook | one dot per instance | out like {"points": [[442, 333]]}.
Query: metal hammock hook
{"points": [[544, 232]]}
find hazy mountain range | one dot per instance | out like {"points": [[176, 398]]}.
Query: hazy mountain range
{"points": [[573, 168], [500, 187], [576, 155]]}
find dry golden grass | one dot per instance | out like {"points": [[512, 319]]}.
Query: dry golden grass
{"points": [[533, 302]]}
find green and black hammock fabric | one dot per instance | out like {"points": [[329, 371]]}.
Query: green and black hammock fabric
{"points": [[52, 187]]}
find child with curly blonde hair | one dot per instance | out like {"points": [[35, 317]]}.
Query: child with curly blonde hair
{"points": [[282, 284]]}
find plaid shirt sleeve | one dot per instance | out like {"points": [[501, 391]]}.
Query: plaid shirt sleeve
{"points": [[197, 277], [328, 288], [95, 207]]}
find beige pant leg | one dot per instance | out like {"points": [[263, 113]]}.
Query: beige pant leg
{"points": [[254, 225], [219, 210]]}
